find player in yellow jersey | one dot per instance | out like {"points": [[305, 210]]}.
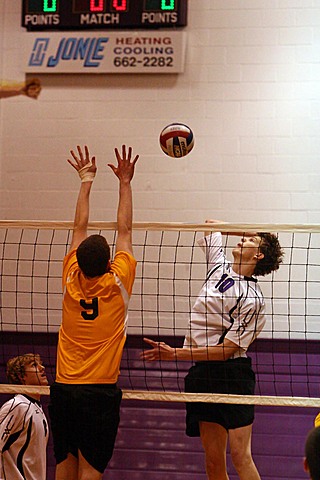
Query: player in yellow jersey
{"points": [[85, 399]]}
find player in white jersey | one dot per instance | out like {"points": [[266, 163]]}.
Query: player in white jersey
{"points": [[230, 304], [226, 318], [23, 425]]}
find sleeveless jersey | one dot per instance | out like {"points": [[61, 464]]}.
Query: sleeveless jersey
{"points": [[94, 318], [23, 440], [228, 306]]}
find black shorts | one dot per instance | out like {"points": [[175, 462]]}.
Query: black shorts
{"points": [[233, 376], [85, 418]]}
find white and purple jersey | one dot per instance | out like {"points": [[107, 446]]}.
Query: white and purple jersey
{"points": [[229, 305], [23, 440]]}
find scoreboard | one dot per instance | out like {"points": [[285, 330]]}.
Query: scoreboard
{"points": [[51, 15]]}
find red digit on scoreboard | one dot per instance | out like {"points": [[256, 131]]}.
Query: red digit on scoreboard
{"points": [[96, 5], [119, 5]]}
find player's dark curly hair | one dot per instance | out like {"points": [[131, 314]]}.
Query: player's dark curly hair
{"points": [[312, 452], [93, 255], [273, 254]]}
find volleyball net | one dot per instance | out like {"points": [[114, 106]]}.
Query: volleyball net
{"points": [[170, 272]]}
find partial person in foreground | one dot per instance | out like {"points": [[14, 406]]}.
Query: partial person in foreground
{"points": [[312, 454], [226, 318], [85, 399], [317, 421], [30, 88], [23, 425]]}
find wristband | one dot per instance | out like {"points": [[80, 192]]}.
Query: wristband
{"points": [[85, 175]]}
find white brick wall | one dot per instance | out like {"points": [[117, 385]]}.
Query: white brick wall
{"points": [[250, 92]]}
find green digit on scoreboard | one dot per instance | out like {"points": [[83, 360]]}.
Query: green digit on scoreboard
{"points": [[160, 5], [49, 5], [167, 4]]}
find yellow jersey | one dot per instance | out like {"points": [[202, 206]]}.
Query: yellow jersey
{"points": [[94, 318]]}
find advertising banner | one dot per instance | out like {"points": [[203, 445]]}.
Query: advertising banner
{"points": [[104, 52]]}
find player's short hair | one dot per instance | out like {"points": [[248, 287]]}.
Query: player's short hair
{"points": [[16, 367], [93, 255], [312, 453], [273, 254]]}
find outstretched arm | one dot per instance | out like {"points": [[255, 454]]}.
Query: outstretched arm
{"points": [[10, 91], [86, 169], [124, 171], [162, 351], [237, 234], [31, 88]]}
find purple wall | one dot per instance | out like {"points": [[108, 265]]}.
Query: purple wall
{"points": [[151, 442]]}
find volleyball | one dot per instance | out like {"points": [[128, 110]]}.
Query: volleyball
{"points": [[176, 140]]}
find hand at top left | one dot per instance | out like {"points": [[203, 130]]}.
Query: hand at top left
{"points": [[32, 88]]}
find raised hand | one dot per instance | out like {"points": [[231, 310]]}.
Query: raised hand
{"points": [[85, 166], [125, 168], [32, 88]]}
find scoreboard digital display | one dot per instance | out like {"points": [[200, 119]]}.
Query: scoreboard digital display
{"points": [[46, 15]]}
